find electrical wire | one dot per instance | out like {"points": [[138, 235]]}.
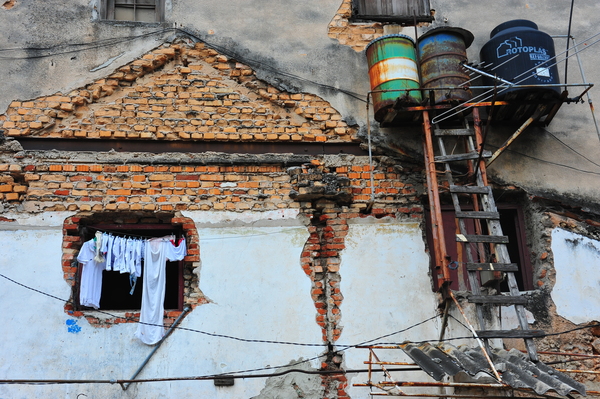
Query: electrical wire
{"points": [[344, 347], [132, 319], [571, 148], [84, 46], [113, 41], [241, 373], [548, 162]]}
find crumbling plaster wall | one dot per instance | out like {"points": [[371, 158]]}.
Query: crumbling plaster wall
{"points": [[250, 285], [562, 242]]}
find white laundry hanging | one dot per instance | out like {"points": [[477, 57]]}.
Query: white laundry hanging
{"points": [[125, 256], [158, 251], [90, 287]]}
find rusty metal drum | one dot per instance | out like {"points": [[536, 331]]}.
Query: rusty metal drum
{"points": [[442, 51], [393, 72]]}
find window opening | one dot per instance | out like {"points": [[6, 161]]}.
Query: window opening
{"points": [[116, 287], [133, 10], [397, 11], [512, 222]]}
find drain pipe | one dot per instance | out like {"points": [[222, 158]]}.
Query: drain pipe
{"points": [[371, 178], [186, 310]]}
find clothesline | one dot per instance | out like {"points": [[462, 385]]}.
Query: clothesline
{"points": [[121, 233]]}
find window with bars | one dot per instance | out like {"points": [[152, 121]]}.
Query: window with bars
{"points": [[398, 11], [133, 10]]}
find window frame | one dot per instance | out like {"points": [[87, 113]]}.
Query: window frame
{"points": [[146, 230], [525, 281], [108, 11], [367, 10]]}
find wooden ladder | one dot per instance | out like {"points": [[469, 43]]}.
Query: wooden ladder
{"points": [[474, 205]]}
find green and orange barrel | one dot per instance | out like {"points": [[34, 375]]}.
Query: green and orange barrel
{"points": [[393, 73]]}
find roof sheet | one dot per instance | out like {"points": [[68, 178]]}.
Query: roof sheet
{"points": [[514, 367]]}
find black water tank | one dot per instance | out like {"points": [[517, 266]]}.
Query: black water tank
{"points": [[523, 55]]}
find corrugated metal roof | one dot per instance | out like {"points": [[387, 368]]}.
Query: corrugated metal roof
{"points": [[515, 368]]}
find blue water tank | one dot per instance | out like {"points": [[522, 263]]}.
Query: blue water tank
{"points": [[523, 55]]}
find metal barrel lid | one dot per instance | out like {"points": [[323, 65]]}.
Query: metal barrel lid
{"points": [[467, 35], [389, 36]]}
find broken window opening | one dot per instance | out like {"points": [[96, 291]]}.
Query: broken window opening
{"points": [[116, 293]]}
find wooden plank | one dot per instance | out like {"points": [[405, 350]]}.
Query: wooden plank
{"points": [[503, 300], [478, 215], [476, 238], [511, 334], [493, 267], [462, 157], [453, 132], [470, 189]]}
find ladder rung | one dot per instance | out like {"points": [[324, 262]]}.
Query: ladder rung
{"points": [[511, 333], [471, 189], [493, 267], [478, 215], [503, 300], [462, 157], [487, 239], [453, 132]]}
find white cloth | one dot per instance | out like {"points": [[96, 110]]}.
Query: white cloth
{"points": [[150, 329], [119, 254], [140, 246], [107, 249], [90, 286]]}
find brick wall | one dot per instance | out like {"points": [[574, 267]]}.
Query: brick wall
{"points": [[354, 34], [326, 204], [179, 92]]}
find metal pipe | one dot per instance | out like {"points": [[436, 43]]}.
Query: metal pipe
{"points": [[538, 112], [489, 75], [579, 371], [587, 93], [566, 354], [437, 227], [512, 85], [371, 178], [430, 395], [391, 363], [438, 384], [169, 331]]}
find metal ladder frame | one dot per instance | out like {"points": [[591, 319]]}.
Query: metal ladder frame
{"points": [[484, 209]]}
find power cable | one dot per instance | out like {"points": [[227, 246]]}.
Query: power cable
{"points": [[236, 374], [96, 45], [132, 319], [231, 54], [571, 148], [546, 161]]}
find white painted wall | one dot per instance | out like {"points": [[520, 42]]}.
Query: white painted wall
{"points": [[576, 293], [251, 274], [386, 288]]}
